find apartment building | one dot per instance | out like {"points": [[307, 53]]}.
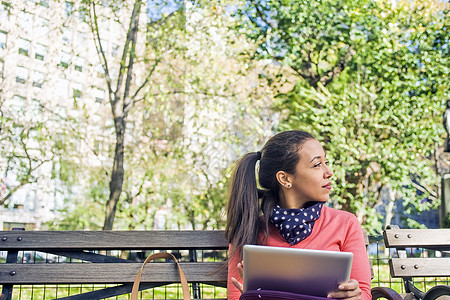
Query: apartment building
{"points": [[49, 66]]}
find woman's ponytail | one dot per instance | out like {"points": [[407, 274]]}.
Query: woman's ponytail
{"points": [[243, 205]]}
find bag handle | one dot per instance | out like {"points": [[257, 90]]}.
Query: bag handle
{"points": [[137, 280]]}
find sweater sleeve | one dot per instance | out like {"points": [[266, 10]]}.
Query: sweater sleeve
{"points": [[354, 242], [232, 291]]}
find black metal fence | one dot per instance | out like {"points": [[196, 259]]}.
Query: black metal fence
{"points": [[378, 255]]}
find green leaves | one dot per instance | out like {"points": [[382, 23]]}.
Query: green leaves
{"points": [[380, 120]]}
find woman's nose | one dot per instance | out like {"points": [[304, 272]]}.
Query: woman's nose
{"points": [[328, 172]]}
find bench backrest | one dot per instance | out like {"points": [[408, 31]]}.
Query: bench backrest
{"points": [[97, 248], [433, 239]]}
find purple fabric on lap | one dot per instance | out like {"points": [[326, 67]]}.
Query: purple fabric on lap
{"points": [[272, 295]]}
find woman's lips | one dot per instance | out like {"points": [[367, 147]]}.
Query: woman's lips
{"points": [[327, 186]]}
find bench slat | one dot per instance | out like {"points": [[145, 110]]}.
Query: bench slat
{"points": [[75, 273], [419, 267], [112, 240], [429, 238]]}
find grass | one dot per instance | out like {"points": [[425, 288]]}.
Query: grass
{"points": [[172, 291]]}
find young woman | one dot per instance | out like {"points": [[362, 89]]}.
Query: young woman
{"points": [[295, 181]]}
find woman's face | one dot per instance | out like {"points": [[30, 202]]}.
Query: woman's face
{"points": [[311, 181]]}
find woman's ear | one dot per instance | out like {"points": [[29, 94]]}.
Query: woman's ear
{"points": [[284, 179]]}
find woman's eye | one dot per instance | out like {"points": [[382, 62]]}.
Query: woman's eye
{"points": [[317, 165]]}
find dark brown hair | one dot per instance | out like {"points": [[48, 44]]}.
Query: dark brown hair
{"points": [[280, 153]]}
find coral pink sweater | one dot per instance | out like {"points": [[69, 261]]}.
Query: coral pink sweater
{"points": [[335, 230]]}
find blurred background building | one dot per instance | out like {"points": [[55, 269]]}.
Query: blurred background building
{"points": [[49, 65]]}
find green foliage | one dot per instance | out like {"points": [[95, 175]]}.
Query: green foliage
{"points": [[446, 222], [315, 39], [370, 83]]}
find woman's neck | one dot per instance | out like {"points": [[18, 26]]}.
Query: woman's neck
{"points": [[288, 200]]}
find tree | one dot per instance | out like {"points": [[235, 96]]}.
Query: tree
{"points": [[125, 89], [315, 40], [380, 120], [183, 119]]}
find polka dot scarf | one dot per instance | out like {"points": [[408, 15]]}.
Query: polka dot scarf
{"points": [[295, 225]]}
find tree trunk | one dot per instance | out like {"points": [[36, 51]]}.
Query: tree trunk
{"points": [[115, 185]]}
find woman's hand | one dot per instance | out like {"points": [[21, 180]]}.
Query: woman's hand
{"points": [[240, 267], [348, 290]]}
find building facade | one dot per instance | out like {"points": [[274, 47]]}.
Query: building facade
{"points": [[49, 68]]}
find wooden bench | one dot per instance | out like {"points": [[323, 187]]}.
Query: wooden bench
{"points": [[96, 249], [408, 267]]}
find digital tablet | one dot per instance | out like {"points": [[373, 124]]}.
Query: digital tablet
{"points": [[302, 271]]}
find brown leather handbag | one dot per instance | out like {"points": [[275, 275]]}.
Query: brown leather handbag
{"points": [[137, 280]]}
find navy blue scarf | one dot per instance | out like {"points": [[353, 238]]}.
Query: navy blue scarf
{"points": [[295, 225]]}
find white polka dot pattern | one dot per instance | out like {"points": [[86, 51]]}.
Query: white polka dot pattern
{"points": [[295, 225]]}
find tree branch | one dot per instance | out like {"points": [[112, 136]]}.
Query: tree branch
{"points": [[133, 98], [261, 14], [98, 45], [125, 53], [329, 75], [134, 24]]}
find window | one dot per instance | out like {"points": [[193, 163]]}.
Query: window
{"points": [[62, 87], [40, 51], [104, 46], [2, 40], [36, 107], [82, 14], [77, 89], [68, 8], [37, 78], [7, 226], [100, 70], [26, 22], [4, 13], [35, 110], [21, 75], [114, 50], [99, 95], [24, 46], [67, 35], [81, 40], [79, 62], [42, 28], [44, 3], [65, 59], [18, 105]]}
